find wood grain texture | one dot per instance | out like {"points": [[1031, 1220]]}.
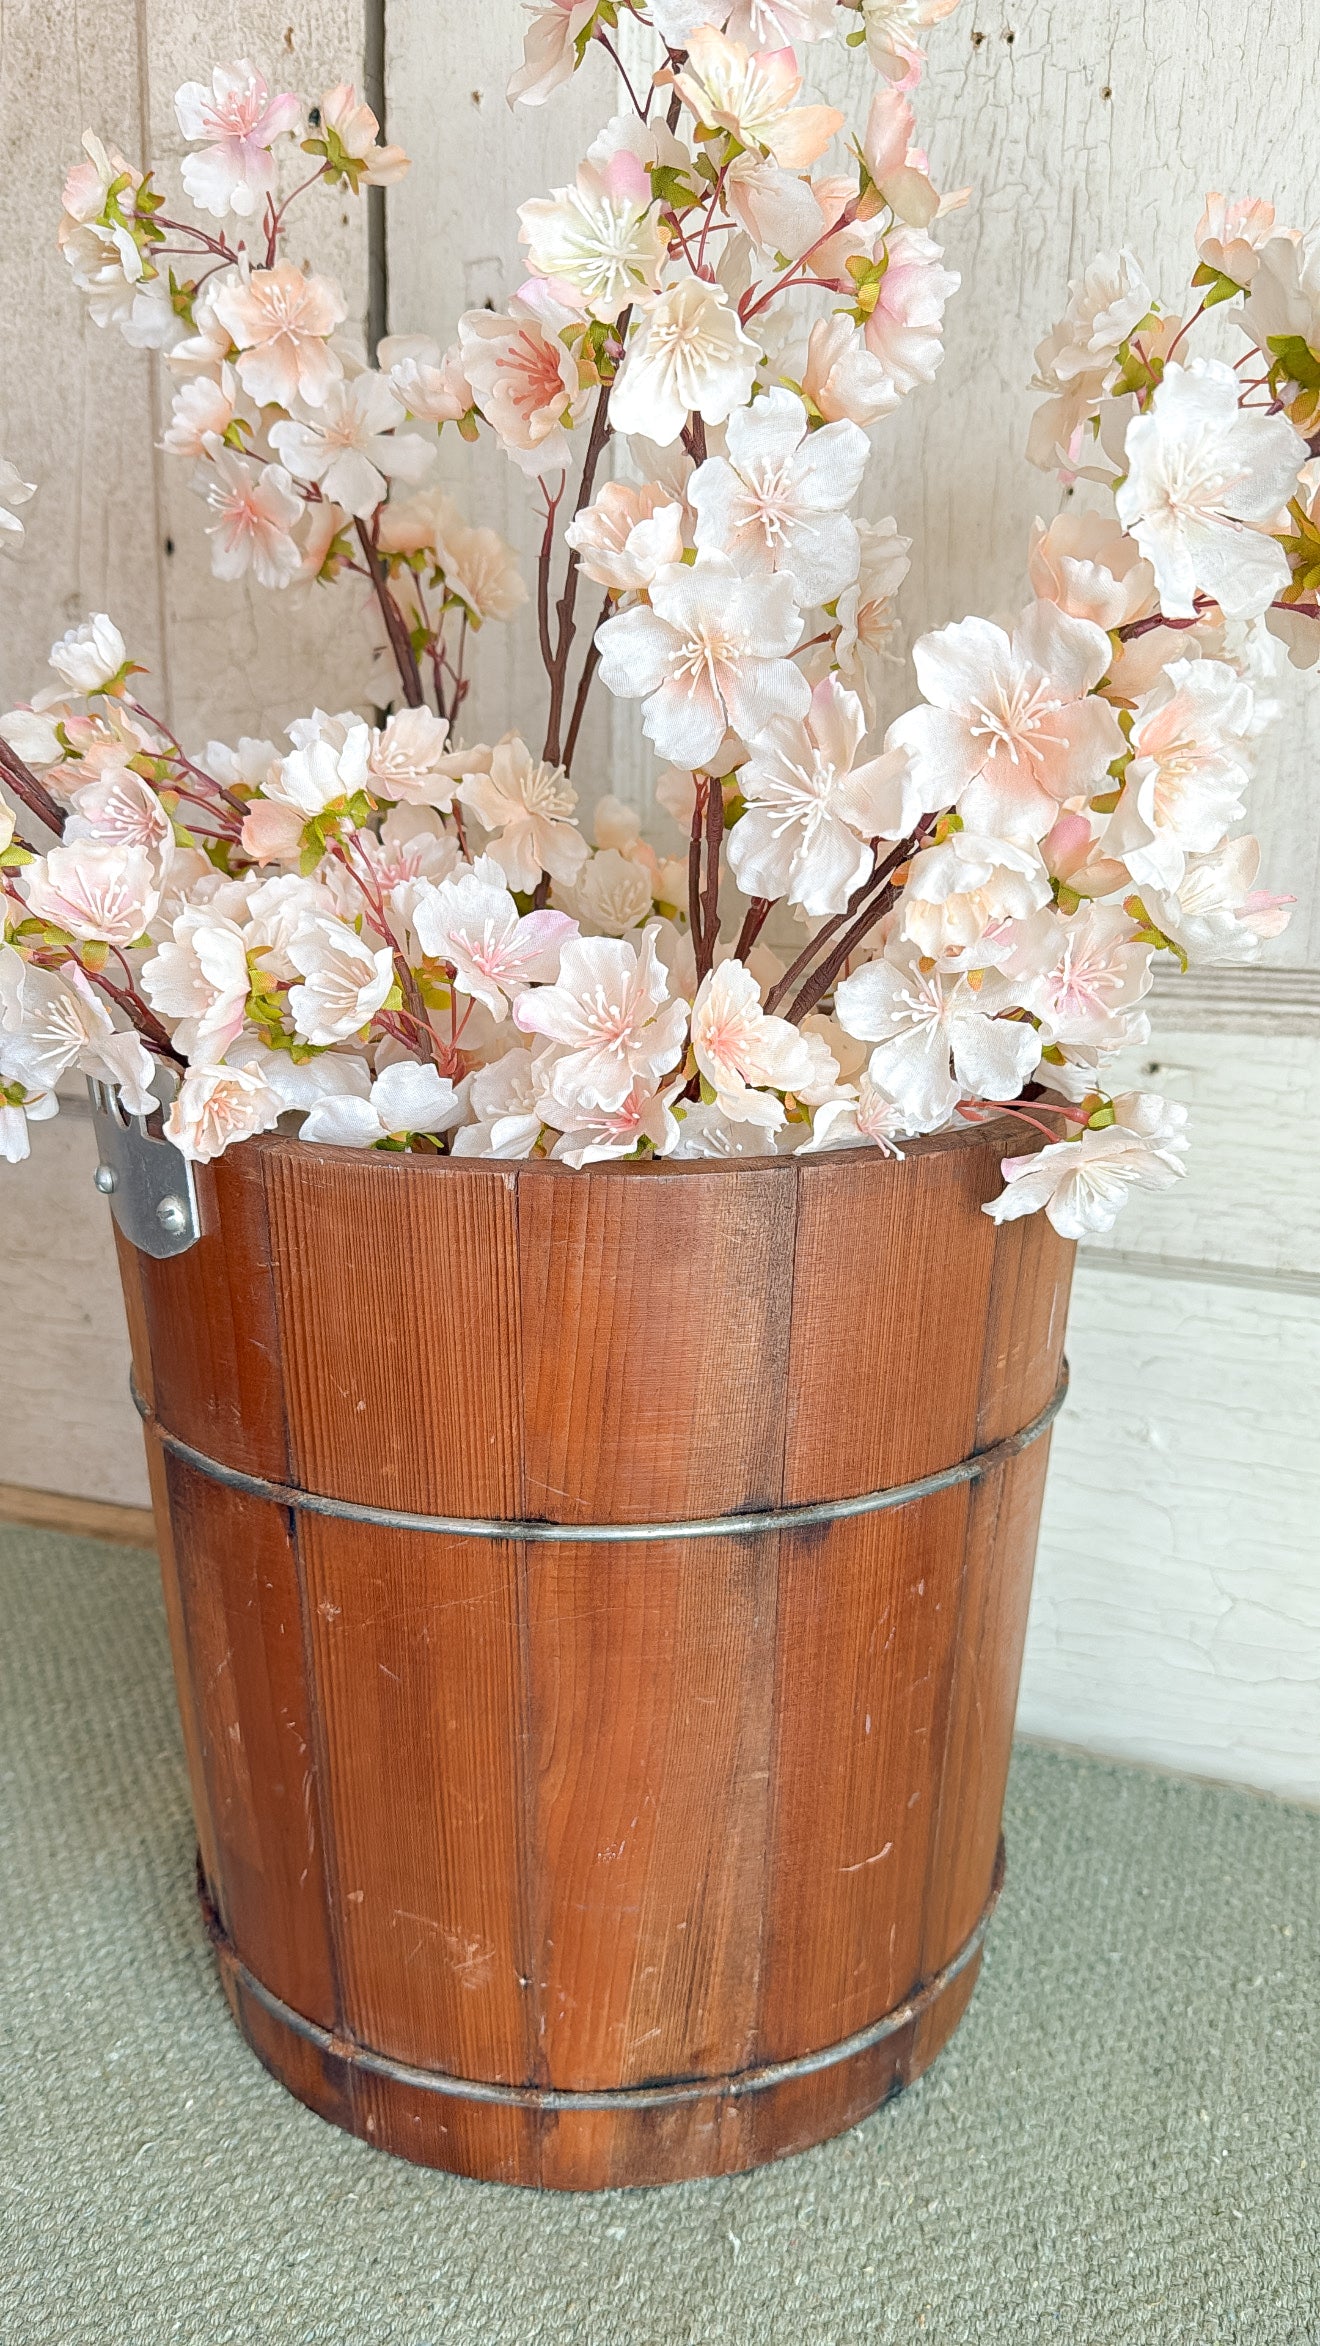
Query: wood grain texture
{"points": [[597, 1817]]}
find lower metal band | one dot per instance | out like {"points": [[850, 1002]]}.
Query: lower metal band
{"points": [[742, 1526], [627, 2097]]}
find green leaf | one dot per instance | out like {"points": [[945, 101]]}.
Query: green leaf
{"points": [[1295, 360]]}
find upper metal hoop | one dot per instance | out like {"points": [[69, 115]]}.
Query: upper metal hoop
{"points": [[967, 1470]]}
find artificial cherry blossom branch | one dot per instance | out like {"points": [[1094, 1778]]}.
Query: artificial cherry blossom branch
{"points": [[33, 793]]}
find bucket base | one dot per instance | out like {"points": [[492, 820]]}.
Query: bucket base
{"points": [[556, 2140]]}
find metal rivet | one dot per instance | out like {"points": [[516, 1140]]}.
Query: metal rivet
{"points": [[172, 1215], [106, 1179]]}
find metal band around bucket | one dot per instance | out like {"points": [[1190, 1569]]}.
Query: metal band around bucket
{"points": [[743, 1526], [731, 2085]]}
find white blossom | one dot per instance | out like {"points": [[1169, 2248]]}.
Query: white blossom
{"points": [[1185, 783], [1083, 1183], [961, 897], [218, 1105], [1205, 480], [235, 122], [1216, 913], [502, 1100], [689, 356], [610, 1014], [591, 1136], [495, 952], [709, 655], [350, 445], [813, 805], [626, 535], [601, 236], [62, 1023], [199, 978], [90, 657], [255, 510], [745, 1055], [777, 500], [281, 322], [345, 983], [405, 1098], [938, 1038], [96, 889], [753, 96], [529, 806]]}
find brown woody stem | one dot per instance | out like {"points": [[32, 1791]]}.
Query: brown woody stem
{"points": [[557, 660], [396, 627], [710, 904], [33, 793]]}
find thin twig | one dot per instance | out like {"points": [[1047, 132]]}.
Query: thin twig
{"points": [[758, 912], [589, 667], [405, 659], [710, 907], [694, 860], [34, 794], [558, 664]]}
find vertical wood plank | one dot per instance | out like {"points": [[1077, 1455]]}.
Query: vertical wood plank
{"points": [[662, 1394]]}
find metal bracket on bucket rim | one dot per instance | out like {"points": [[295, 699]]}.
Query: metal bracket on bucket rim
{"points": [[149, 1184]]}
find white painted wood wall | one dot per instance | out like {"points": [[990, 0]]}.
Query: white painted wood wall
{"points": [[1177, 1616]]}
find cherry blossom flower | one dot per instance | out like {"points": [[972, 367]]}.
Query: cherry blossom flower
{"points": [[752, 97], [612, 894], [709, 655], [118, 805], [777, 500], [351, 446], [890, 27], [345, 981], [938, 1039], [18, 1109], [360, 158], [523, 378], [812, 808], [217, 1106], [90, 658], [595, 1135], [610, 1014], [1085, 564], [626, 535], [236, 121], [502, 1100], [405, 1098], [745, 1055], [866, 1117], [688, 356], [1013, 727], [960, 892], [281, 323], [1284, 302], [406, 761], [774, 24], [777, 209], [602, 236], [1205, 479], [865, 611], [200, 978], [201, 415], [472, 923], [1230, 233], [705, 1131], [1083, 977], [255, 508], [896, 167], [14, 490], [529, 805], [1216, 913], [64, 1024], [430, 382], [1185, 783], [96, 889], [549, 54], [844, 380], [1082, 1183], [905, 329], [330, 762]]}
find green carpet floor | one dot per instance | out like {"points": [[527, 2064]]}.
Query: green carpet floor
{"points": [[1120, 2148]]}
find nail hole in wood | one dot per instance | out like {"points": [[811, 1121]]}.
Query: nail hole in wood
{"points": [[978, 40], [1106, 92], [169, 545]]}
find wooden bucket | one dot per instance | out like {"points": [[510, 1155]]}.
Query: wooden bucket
{"points": [[542, 1853]]}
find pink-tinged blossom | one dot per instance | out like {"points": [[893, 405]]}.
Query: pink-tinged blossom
{"points": [[405, 1098], [688, 356], [529, 806], [90, 658], [777, 209], [1284, 302], [523, 379], [255, 509], [866, 610], [351, 445], [118, 805], [844, 380], [1083, 1183], [472, 923], [891, 30], [1205, 480], [626, 535], [745, 1055], [1188, 773], [329, 763], [64, 1024], [894, 164], [236, 122], [345, 983], [1085, 564], [776, 500], [281, 323], [1013, 727], [595, 1135], [358, 133], [612, 894], [905, 330], [199, 978], [961, 898], [1217, 913], [430, 382], [707, 657], [812, 806], [217, 1106], [502, 1100], [610, 1014], [601, 237], [776, 24], [858, 1119], [752, 96], [938, 1039], [95, 889], [1230, 233], [202, 413], [407, 760], [549, 50], [1083, 976]]}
